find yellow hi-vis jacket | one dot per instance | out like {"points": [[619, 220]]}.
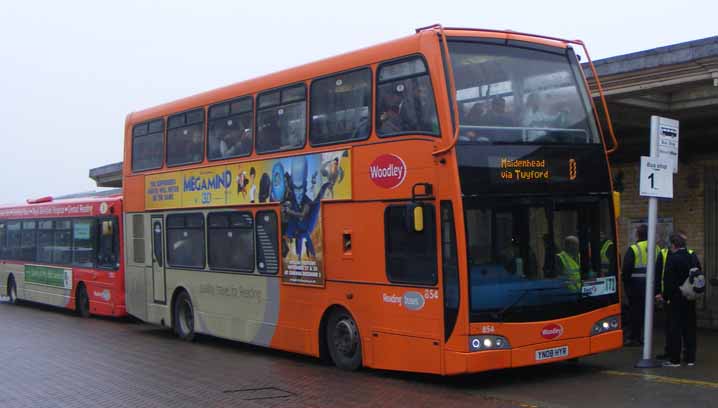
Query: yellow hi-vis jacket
{"points": [[572, 268]]}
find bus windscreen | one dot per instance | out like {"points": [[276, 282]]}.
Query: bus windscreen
{"points": [[512, 95]]}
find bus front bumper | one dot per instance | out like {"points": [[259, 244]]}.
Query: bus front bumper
{"points": [[459, 363]]}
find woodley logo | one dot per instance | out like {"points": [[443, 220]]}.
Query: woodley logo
{"points": [[387, 171], [552, 331]]}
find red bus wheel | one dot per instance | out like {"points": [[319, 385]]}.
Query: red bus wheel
{"points": [[184, 317], [82, 302], [344, 341]]}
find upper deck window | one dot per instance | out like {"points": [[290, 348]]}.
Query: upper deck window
{"points": [[340, 108], [230, 129], [511, 94], [185, 138], [147, 145], [281, 119], [405, 99]]}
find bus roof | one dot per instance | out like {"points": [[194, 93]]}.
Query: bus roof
{"points": [[72, 207], [346, 61]]}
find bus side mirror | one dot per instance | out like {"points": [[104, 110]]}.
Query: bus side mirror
{"points": [[414, 217], [616, 204]]}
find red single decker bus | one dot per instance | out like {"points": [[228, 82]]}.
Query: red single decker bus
{"points": [[65, 253]]}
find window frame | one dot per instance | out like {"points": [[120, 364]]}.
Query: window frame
{"points": [[166, 242], [204, 135], [257, 108], [39, 248], [163, 132], [435, 250], [377, 82], [372, 104], [252, 113], [252, 228]]}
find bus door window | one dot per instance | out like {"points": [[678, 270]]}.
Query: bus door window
{"points": [[450, 267], [185, 138], [84, 241], [340, 108], [44, 241], [157, 242], [405, 99], [108, 245], [281, 119], [410, 255]]}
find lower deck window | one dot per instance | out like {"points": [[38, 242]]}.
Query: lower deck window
{"points": [[185, 240], [231, 241]]}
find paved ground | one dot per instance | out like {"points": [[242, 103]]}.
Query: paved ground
{"points": [[50, 358]]}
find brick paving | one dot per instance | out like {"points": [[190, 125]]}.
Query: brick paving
{"points": [[50, 358]]}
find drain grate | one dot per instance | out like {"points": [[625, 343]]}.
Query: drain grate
{"points": [[249, 394]]}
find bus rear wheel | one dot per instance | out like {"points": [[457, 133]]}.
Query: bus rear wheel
{"points": [[343, 341], [184, 317], [82, 302], [12, 290]]}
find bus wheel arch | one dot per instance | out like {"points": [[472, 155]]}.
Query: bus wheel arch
{"points": [[340, 338], [12, 289], [182, 314], [82, 300]]}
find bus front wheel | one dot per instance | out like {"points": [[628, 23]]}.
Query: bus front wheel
{"points": [[12, 291], [82, 302], [343, 341], [184, 317]]}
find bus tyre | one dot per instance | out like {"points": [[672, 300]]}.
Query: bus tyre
{"points": [[12, 290], [343, 341], [184, 317], [82, 302]]}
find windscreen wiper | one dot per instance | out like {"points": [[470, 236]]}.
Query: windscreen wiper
{"points": [[499, 316]]}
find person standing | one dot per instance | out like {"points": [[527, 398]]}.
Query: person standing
{"points": [[660, 283], [681, 311], [635, 263]]}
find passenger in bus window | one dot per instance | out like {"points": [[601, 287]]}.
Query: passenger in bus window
{"points": [[390, 107], [496, 115], [228, 145]]}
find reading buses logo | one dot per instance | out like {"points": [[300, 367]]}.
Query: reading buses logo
{"points": [[552, 331], [387, 171]]}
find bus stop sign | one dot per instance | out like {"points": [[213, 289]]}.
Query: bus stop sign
{"points": [[656, 177]]}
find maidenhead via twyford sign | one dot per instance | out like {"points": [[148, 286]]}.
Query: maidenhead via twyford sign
{"points": [[656, 177], [387, 171]]}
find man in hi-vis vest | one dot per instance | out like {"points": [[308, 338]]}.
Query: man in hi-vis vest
{"points": [[635, 263]]}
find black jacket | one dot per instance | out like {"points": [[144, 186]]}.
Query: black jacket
{"points": [[678, 265]]}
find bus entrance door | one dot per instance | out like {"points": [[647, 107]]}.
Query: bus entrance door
{"points": [[158, 265]]}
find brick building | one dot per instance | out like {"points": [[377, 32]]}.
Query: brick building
{"points": [[680, 82]]}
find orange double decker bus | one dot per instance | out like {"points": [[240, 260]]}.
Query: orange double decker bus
{"points": [[65, 253], [440, 203]]}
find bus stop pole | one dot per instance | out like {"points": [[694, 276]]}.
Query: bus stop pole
{"points": [[648, 361]]}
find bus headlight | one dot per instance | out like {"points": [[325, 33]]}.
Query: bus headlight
{"points": [[605, 325], [481, 343]]}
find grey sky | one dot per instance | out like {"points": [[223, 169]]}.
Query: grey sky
{"points": [[72, 70]]}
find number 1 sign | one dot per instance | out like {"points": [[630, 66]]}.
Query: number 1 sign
{"points": [[656, 177]]}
